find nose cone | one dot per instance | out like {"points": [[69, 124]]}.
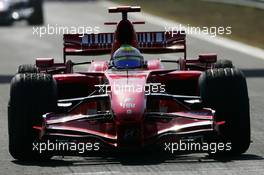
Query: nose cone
{"points": [[128, 99]]}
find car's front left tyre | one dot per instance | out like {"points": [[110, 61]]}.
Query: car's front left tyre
{"points": [[225, 91], [27, 68], [223, 63]]}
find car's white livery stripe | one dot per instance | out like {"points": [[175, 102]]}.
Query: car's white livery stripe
{"points": [[190, 125]]}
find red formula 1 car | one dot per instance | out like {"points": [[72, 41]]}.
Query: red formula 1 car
{"points": [[127, 102]]}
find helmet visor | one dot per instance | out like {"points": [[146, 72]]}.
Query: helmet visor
{"points": [[127, 62]]}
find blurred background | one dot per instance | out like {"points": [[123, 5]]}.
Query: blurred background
{"points": [[20, 20]]}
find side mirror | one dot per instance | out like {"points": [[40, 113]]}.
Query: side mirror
{"points": [[44, 62], [208, 58]]}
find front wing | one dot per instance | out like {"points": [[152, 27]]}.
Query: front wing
{"points": [[79, 124]]}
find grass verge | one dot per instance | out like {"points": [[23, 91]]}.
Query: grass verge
{"points": [[247, 23]]}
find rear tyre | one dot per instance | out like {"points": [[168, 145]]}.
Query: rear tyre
{"points": [[225, 90], [31, 95], [223, 64], [27, 68], [37, 18]]}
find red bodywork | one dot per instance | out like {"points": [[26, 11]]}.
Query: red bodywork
{"points": [[92, 108]]}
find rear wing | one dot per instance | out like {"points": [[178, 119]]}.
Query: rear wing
{"points": [[101, 43]]}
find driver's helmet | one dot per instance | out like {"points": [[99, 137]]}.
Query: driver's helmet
{"points": [[127, 57]]}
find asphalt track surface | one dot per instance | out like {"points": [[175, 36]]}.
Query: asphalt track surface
{"points": [[18, 45]]}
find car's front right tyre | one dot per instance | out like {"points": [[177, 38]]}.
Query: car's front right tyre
{"points": [[31, 96]]}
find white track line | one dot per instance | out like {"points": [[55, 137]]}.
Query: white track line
{"points": [[220, 41]]}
